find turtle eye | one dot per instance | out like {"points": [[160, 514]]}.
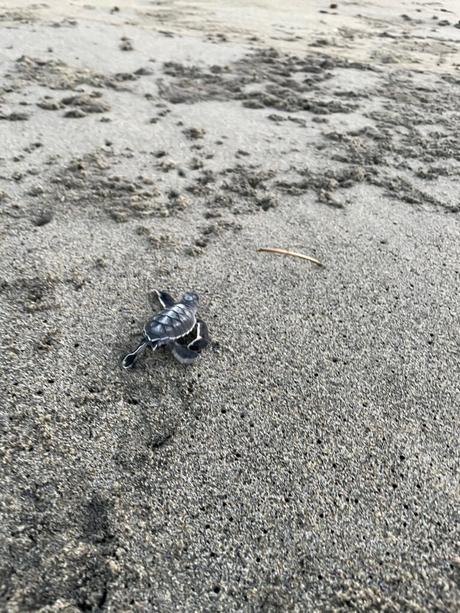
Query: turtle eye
{"points": [[190, 297]]}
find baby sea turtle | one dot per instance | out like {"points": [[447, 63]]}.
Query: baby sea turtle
{"points": [[176, 321]]}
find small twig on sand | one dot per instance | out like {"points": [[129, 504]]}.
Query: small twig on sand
{"points": [[294, 254]]}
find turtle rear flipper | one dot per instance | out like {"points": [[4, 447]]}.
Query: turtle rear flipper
{"points": [[183, 354], [202, 337], [130, 359]]}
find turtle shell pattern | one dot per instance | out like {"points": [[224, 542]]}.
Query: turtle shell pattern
{"points": [[170, 324]]}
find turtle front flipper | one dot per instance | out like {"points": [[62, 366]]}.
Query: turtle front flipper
{"points": [[183, 354], [202, 337], [165, 299], [130, 359]]}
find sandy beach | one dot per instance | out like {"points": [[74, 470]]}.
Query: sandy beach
{"points": [[309, 461]]}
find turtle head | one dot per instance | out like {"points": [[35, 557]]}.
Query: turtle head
{"points": [[190, 299]]}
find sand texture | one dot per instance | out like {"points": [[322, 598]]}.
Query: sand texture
{"points": [[310, 460]]}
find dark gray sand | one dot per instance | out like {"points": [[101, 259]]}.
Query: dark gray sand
{"points": [[310, 460]]}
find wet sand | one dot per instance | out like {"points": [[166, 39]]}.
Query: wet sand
{"points": [[309, 461]]}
